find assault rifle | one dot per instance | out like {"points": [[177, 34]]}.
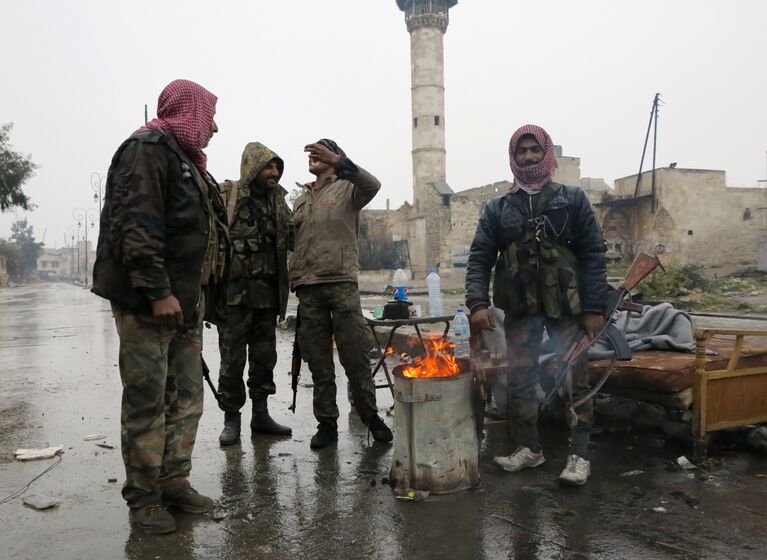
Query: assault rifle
{"points": [[618, 300], [295, 364], [206, 375]]}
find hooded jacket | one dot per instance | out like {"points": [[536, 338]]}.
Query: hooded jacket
{"points": [[261, 234]]}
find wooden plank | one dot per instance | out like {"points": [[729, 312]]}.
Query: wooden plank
{"points": [[725, 374], [730, 332], [734, 401], [699, 389], [735, 356], [737, 423]]}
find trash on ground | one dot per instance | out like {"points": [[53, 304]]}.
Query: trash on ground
{"points": [[220, 515], [105, 445], [111, 480], [689, 500], [38, 502], [411, 495], [38, 453], [685, 463], [660, 509], [630, 473], [761, 475], [94, 437]]}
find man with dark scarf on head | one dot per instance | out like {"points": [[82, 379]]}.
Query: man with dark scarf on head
{"points": [[549, 257], [162, 244], [324, 269]]}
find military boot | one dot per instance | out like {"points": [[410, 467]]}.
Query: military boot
{"points": [[327, 433], [179, 494], [262, 423], [378, 429], [231, 432], [153, 519]]}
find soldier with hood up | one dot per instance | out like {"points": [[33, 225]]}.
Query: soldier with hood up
{"points": [[256, 291]]}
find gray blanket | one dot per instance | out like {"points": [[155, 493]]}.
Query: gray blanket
{"points": [[659, 327]]}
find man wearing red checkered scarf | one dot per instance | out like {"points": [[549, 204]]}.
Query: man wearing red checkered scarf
{"points": [[186, 110], [161, 248]]}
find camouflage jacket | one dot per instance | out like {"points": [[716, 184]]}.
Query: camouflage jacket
{"points": [[326, 219], [261, 232], [162, 227]]}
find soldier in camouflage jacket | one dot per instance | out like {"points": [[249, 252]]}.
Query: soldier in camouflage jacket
{"points": [[256, 290], [162, 239]]}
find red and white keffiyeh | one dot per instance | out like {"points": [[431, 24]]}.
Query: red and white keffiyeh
{"points": [[533, 177], [186, 110]]}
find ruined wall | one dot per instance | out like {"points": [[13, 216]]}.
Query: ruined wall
{"points": [[568, 170], [381, 237], [466, 207], [698, 219]]}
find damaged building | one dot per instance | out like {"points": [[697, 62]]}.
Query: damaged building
{"points": [[687, 215]]}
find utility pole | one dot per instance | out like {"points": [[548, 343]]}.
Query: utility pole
{"points": [[652, 124]]}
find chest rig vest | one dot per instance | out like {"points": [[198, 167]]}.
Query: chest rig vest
{"points": [[537, 271], [253, 230]]}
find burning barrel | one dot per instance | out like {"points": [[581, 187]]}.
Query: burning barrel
{"points": [[436, 447]]}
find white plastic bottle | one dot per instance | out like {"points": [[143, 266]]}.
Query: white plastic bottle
{"points": [[433, 283], [460, 334], [399, 283]]}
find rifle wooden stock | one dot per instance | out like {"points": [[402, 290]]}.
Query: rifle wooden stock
{"points": [[642, 266]]}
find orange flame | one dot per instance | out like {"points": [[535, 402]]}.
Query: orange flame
{"points": [[438, 361]]}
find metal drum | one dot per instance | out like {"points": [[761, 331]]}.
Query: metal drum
{"points": [[436, 447]]}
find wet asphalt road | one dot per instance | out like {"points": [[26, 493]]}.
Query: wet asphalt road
{"points": [[59, 382]]}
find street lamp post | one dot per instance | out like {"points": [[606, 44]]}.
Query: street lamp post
{"points": [[98, 184], [71, 230], [84, 217]]}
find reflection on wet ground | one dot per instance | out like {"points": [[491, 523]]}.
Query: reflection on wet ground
{"points": [[278, 499]]}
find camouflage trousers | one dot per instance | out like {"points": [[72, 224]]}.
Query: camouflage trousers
{"points": [[523, 344], [162, 403], [249, 334], [330, 311]]}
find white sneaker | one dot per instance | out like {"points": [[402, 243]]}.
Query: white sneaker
{"points": [[522, 458], [576, 472]]}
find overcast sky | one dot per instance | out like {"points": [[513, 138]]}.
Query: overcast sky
{"points": [[77, 73]]}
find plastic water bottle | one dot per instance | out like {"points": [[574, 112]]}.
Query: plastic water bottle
{"points": [[433, 284], [460, 332], [399, 283]]}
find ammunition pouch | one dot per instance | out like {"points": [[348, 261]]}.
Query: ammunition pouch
{"points": [[538, 277]]}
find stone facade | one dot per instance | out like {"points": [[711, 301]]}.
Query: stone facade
{"points": [[697, 219], [452, 217], [692, 218]]}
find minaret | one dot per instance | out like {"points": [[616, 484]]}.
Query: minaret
{"points": [[427, 22]]}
